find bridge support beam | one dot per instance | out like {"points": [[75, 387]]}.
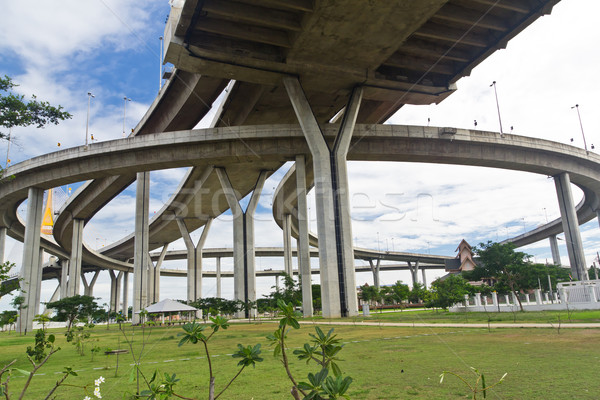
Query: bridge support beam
{"points": [[570, 226], [338, 287], [375, 270], [218, 275], [154, 276], [2, 243], [141, 257], [88, 288], [554, 249], [424, 275], [287, 245], [64, 278], [194, 258], [31, 270], [303, 250], [115, 289], [73, 286], [244, 270], [125, 309], [414, 272]]}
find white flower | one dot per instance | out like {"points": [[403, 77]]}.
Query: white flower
{"points": [[87, 398], [98, 381], [97, 392]]}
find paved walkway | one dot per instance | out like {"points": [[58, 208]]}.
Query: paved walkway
{"points": [[563, 325]]}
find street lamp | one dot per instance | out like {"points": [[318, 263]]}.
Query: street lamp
{"points": [[576, 106], [125, 100], [498, 107], [87, 124]]}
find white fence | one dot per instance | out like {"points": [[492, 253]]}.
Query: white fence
{"points": [[580, 295]]}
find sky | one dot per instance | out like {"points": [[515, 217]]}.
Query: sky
{"points": [[60, 51]]}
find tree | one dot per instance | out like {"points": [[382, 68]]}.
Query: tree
{"points": [[71, 308], [7, 285], [369, 293], [418, 293], [503, 264], [16, 111], [400, 291], [447, 292]]}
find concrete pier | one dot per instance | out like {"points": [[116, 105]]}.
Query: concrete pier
{"points": [[73, 286], [303, 248], [141, 257], [194, 258]]}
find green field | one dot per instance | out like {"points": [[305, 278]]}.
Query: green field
{"points": [[385, 362]]}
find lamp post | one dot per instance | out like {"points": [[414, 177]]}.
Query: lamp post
{"points": [[87, 124], [498, 108], [576, 106], [125, 100]]}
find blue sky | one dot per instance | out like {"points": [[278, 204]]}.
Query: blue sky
{"points": [[62, 50]]}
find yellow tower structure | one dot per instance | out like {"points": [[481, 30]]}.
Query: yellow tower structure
{"points": [[48, 221]]}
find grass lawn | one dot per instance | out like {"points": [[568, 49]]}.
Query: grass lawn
{"points": [[385, 362], [440, 316]]}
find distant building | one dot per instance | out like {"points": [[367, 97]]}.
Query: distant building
{"points": [[463, 261]]}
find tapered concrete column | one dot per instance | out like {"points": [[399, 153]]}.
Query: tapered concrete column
{"points": [[73, 286], [31, 283], [538, 296], [115, 289], [287, 244], [554, 249], [2, 244], [414, 272], [495, 299], [303, 250], [477, 299], [88, 288], [140, 260], [375, 270], [570, 226], [338, 282], [38, 293], [64, 278], [218, 274], [125, 308], [244, 271], [194, 259], [154, 276], [424, 275]]}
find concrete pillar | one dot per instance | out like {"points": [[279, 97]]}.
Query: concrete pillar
{"points": [[375, 270], [88, 288], [125, 308], [414, 271], [73, 286], [218, 273], [554, 248], [302, 244], [592, 292], [495, 299], [244, 271], [115, 289], [538, 296], [64, 278], [153, 293], [424, 278], [466, 300], [527, 298], [478, 299], [2, 243], [287, 244], [336, 254], [140, 258], [507, 300], [31, 283], [55, 296], [563, 296], [277, 283], [546, 297], [194, 259], [570, 226]]}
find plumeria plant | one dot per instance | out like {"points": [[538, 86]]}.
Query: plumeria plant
{"points": [[322, 350]]}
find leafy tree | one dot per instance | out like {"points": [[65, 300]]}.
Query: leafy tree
{"points": [[16, 111], [71, 308], [503, 264], [400, 291], [369, 293], [6, 285], [8, 317], [447, 292], [418, 293]]}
